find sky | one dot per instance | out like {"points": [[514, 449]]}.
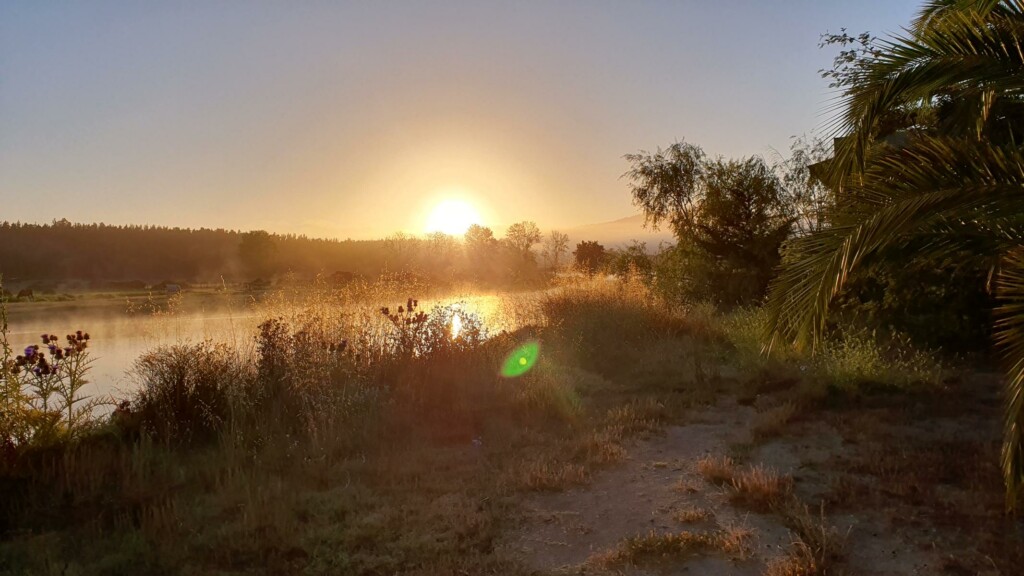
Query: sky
{"points": [[354, 119]]}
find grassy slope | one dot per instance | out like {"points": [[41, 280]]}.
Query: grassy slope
{"points": [[432, 486]]}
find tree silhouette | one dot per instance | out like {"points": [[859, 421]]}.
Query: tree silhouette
{"points": [[589, 256], [555, 246], [258, 253], [521, 236]]}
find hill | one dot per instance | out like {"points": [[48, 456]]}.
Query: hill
{"points": [[620, 233]]}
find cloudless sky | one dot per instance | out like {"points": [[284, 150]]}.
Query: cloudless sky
{"points": [[351, 119]]}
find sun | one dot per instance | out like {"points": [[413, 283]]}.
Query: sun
{"points": [[452, 217]]}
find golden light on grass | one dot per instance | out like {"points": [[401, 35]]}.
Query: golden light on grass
{"points": [[456, 325], [452, 217]]}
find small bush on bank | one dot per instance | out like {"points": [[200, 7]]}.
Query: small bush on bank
{"points": [[596, 316], [856, 357], [186, 390]]}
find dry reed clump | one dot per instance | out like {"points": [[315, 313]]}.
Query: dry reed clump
{"points": [[594, 317], [760, 488], [545, 473], [692, 514], [186, 391], [654, 547], [639, 417], [771, 422], [717, 470], [819, 546]]}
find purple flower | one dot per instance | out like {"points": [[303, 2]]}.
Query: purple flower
{"points": [[29, 351]]}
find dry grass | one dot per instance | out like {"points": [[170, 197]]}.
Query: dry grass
{"points": [[760, 488], [820, 546], [691, 514], [718, 470], [797, 562], [675, 547], [771, 422], [543, 474]]}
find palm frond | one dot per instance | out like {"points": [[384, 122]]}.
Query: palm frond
{"points": [[933, 185], [1009, 336], [966, 51]]}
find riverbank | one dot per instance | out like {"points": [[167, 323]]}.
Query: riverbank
{"points": [[357, 443]]}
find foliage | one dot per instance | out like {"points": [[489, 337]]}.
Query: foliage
{"points": [[521, 236], [953, 187], [556, 245], [941, 302], [810, 201], [589, 256], [186, 391], [123, 257], [730, 217], [633, 260], [258, 253], [597, 317], [41, 395], [854, 359]]}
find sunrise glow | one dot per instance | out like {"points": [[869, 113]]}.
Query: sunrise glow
{"points": [[452, 217]]}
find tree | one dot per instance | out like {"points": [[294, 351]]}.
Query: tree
{"points": [[810, 200], [402, 250], [258, 253], [633, 260], [955, 187], [730, 217], [479, 239], [589, 256], [521, 236], [481, 251], [555, 246]]}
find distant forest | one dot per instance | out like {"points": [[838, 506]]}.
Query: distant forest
{"points": [[101, 254]]}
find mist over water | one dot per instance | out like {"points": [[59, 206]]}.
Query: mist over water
{"points": [[118, 338]]}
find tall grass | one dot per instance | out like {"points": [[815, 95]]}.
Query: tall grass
{"points": [[848, 360], [357, 431]]}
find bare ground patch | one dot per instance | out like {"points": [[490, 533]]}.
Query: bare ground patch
{"points": [[900, 486]]}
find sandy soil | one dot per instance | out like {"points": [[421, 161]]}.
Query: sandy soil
{"points": [[892, 485]]}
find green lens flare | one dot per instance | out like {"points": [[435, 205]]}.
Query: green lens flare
{"points": [[521, 360]]}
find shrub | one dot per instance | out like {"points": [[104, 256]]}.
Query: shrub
{"points": [[856, 357], [596, 317], [185, 390]]}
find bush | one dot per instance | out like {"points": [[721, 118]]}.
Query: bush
{"points": [[597, 317], [185, 391], [937, 303], [856, 358]]}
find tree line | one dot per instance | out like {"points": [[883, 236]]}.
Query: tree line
{"points": [[104, 255]]}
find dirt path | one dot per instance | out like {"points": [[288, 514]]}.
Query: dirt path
{"points": [[854, 503]]}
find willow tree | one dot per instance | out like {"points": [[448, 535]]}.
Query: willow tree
{"points": [[953, 185]]}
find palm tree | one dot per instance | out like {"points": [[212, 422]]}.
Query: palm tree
{"points": [[956, 183]]}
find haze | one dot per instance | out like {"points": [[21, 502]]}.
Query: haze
{"points": [[353, 120]]}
